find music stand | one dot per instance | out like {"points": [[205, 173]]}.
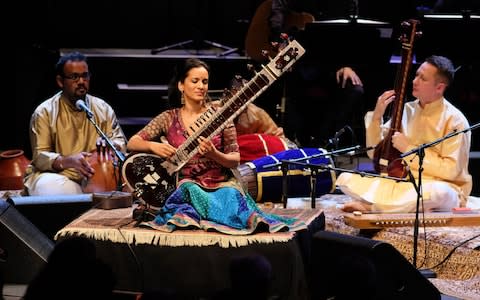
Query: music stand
{"points": [[228, 50], [354, 34], [197, 43], [441, 35]]}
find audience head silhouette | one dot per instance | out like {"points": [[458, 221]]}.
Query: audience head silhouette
{"points": [[73, 272]]}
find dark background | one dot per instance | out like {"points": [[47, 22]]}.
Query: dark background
{"points": [[46, 26]]}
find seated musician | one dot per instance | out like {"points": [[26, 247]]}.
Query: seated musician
{"points": [[446, 182], [207, 195], [317, 88], [62, 137], [257, 133]]}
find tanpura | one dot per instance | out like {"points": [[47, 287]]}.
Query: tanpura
{"points": [[386, 158]]}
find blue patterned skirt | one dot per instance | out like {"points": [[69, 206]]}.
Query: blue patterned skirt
{"points": [[225, 209]]}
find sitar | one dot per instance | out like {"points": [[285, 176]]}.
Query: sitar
{"points": [[386, 157], [153, 179]]}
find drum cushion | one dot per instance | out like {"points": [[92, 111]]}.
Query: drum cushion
{"points": [[256, 145]]}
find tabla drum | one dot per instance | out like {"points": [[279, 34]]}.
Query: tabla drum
{"points": [[264, 182], [106, 174]]}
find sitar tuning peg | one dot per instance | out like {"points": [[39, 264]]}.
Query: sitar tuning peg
{"points": [[250, 67], [265, 53], [284, 36]]}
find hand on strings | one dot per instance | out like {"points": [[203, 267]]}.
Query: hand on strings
{"points": [[346, 73], [162, 149], [382, 102], [206, 147]]}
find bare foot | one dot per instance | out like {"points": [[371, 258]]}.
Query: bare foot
{"points": [[357, 206]]}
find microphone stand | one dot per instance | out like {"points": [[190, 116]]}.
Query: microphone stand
{"points": [[420, 151], [315, 169], [345, 150], [118, 154], [284, 167]]}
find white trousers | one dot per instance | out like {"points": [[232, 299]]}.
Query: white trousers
{"points": [[53, 184]]}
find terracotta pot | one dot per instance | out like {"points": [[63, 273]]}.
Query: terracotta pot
{"points": [[13, 165]]}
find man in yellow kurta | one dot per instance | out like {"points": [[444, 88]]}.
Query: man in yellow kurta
{"points": [[446, 182], [61, 135]]}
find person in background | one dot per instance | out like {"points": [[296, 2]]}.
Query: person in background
{"points": [[207, 194], [257, 133], [445, 179], [321, 99], [61, 135]]}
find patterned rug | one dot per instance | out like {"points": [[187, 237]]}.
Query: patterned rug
{"points": [[458, 247], [458, 276], [117, 225]]}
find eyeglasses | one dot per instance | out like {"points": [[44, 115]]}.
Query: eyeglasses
{"points": [[76, 76]]}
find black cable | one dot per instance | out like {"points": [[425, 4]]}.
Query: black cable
{"points": [[134, 255], [425, 240], [453, 250], [137, 262]]}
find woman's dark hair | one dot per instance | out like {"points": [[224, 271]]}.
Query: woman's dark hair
{"points": [[72, 56], [180, 73]]}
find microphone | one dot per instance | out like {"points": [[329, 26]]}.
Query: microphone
{"points": [[339, 133], [359, 151], [80, 104], [334, 140]]}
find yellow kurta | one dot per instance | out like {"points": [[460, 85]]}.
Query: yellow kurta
{"points": [[445, 164], [58, 128]]}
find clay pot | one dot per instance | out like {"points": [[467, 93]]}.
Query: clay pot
{"points": [[13, 164]]}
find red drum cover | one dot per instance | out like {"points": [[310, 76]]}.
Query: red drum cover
{"points": [[256, 145]]}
